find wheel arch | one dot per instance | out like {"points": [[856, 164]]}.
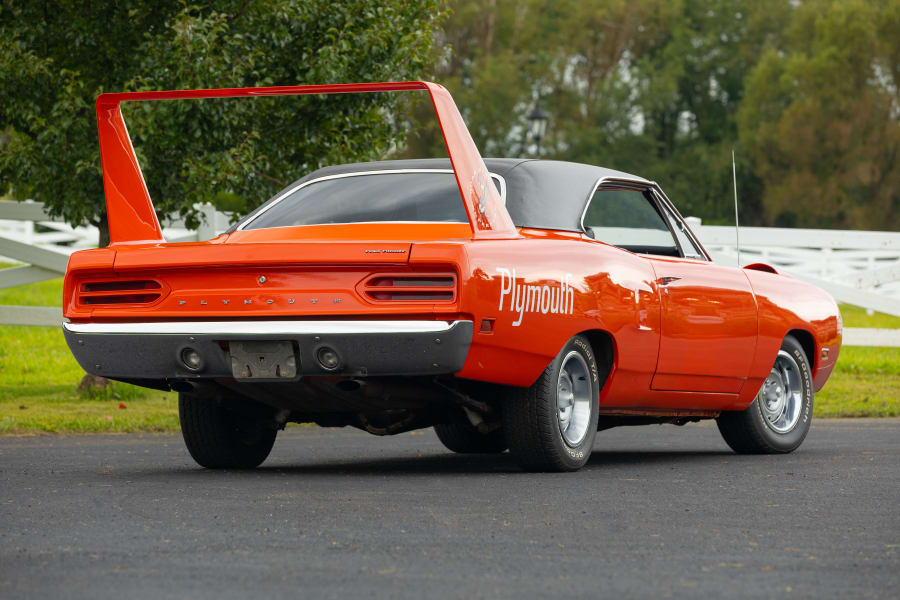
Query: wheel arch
{"points": [[807, 342], [604, 346]]}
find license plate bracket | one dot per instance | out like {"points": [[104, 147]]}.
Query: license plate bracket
{"points": [[262, 360]]}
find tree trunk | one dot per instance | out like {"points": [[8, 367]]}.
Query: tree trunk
{"points": [[92, 384], [103, 231], [487, 28]]}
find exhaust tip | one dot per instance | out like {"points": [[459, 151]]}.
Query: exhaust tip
{"points": [[191, 359], [328, 358]]}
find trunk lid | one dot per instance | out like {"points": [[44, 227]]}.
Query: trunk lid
{"points": [[226, 279]]}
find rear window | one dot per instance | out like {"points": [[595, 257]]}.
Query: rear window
{"points": [[369, 198]]}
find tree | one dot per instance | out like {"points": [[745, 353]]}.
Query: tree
{"points": [[57, 56], [822, 117], [647, 86]]}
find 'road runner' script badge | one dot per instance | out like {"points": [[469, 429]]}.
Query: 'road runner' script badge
{"points": [[557, 298]]}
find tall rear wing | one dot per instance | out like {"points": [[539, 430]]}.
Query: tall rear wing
{"points": [[132, 218]]}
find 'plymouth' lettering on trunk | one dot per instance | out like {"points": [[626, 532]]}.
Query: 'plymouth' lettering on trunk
{"points": [[558, 298]]}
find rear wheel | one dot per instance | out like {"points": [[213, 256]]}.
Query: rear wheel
{"points": [[462, 437], [220, 438], [780, 416], [551, 425]]}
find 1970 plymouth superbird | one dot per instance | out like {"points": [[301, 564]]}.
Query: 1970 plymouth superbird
{"points": [[508, 303]]}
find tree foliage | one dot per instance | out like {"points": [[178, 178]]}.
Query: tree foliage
{"points": [[56, 56], [805, 93], [822, 117]]}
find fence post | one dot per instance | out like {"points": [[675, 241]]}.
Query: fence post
{"points": [[207, 228], [871, 262]]}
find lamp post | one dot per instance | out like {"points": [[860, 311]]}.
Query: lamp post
{"points": [[538, 120]]}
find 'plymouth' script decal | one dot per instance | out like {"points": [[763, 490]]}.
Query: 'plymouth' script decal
{"points": [[558, 298]]}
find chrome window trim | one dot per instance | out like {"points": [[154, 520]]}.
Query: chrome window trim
{"points": [[368, 223], [248, 327], [643, 185], [502, 182], [664, 200], [637, 183], [265, 208]]}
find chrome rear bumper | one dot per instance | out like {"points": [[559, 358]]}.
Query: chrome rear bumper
{"points": [[155, 350]]}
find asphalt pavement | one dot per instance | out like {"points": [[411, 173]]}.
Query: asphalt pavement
{"points": [[660, 511]]}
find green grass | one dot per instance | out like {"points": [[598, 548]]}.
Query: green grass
{"points": [[855, 316], [39, 380], [865, 383], [43, 293], [86, 416], [39, 391]]}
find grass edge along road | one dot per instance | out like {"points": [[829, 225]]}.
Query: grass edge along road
{"points": [[39, 380]]}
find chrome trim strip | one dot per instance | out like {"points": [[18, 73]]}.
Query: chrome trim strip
{"points": [[265, 207], [502, 182], [262, 327], [368, 223], [687, 228]]}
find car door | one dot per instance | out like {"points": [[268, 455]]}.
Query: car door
{"points": [[708, 324], [709, 318]]}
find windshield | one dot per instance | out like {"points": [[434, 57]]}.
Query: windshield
{"points": [[366, 198]]}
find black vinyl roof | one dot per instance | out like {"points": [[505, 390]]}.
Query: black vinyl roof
{"points": [[543, 194]]}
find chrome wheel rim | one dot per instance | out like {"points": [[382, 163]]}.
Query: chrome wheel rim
{"points": [[573, 398], [781, 396]]}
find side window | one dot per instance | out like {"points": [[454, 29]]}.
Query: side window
{"points": [[688, 247], [629, 220]]}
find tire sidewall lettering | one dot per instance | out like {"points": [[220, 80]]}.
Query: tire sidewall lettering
{"points": [[576, 454], [792, 438], [590, 358], [807, 384]]}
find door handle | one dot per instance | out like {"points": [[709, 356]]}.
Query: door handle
{"points": [[663, 281]]}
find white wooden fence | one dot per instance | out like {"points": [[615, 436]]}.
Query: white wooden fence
{"points": [[857, 267], [42, 243]]}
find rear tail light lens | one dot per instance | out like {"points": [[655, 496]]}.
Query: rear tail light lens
{"points": [[143, 291], [410, 288]]}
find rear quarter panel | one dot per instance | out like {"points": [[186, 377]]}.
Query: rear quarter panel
{"points": [[544, 288]]}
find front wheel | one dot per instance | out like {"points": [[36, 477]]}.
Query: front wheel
{"points": [[219, 438], [779, 418], [551, 425]]}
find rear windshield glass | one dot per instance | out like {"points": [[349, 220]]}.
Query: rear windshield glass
{"points": [[427, 197]]}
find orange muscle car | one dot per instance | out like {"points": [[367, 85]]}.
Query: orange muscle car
{"points": [[508, 303]]}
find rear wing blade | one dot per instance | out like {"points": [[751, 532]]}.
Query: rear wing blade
{"points": [[132, 218]]}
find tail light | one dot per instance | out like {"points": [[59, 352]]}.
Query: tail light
{"points": [[426, 287], [144, 291]]}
